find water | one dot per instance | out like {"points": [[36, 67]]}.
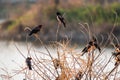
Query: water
{"points": [[2, 20], [11, 59]]}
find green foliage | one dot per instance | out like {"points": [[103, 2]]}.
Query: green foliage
{"points": [[96, 14]]}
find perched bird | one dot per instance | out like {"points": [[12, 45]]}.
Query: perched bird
{"points": [[35, 30], [28, 62], [60, 18], [91, 46]]}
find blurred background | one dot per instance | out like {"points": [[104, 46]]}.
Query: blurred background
{"points": [[100, 15]]}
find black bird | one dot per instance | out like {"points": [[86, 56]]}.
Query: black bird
{"points": [[35, 30], [28, 62], [92, 45], [60, 18]]}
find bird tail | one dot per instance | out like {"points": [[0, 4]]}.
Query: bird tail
{"points": [[30, 67], [64, 24], [116, 63], [30, 33], [99, 50], [82, 53]]}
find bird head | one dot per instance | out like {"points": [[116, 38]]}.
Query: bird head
{"points": [[40, 26], [90, 43], [117, 46], [58, 13], [29, 58]]}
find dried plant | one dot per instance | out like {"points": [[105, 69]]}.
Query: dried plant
{"points": [[68, 64]]}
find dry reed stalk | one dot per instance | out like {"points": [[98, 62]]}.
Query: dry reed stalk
{"points": [[47, 51], [43, 68], [106, 77], [87, 69]]}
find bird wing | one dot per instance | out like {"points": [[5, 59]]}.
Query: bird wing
{"points": [[36, 29], [98, 47], [62, 20], [85, 49]]}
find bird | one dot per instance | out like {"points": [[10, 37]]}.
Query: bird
{"points": [[35, 30], [92, 45], [28, 62], [60, 18]]}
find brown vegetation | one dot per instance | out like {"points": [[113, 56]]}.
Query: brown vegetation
{"points": [[69, 64]]}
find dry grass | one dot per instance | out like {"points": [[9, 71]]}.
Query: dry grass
{"points": [[68, 64]]}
